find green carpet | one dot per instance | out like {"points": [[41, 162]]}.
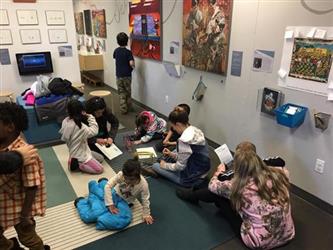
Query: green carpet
{"points": [[178, 225], [59, 189]]}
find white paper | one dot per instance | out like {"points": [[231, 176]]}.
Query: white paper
{"points": [[311, 33], [289, 34], [330, 85], [291, 110], [320, 34], [146, 153], [111, 152], [224, 154], [282, 73], [330, 96]]}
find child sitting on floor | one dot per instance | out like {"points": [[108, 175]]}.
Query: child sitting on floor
{"points": [[171, 137], [75, 130], [129, 184], [148, 127], [22, 193]]}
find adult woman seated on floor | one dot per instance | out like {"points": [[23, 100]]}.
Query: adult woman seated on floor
{"points": [[103, 115], [255, 201], [192, 161]]}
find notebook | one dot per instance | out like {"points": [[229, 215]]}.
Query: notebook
{"points": [[110, 152], [146, 153]]}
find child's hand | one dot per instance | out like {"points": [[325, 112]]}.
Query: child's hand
{"points": [[166, 152], [148, 219], [101, 141], [162, 163], [29, 154], [137, 142], [113, 209], [220, 169], [109, 141]]}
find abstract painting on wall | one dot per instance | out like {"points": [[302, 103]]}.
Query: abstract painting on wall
{"points": [[311, 59], [145, 28], [99, 23], [87, 22], [206, 33], [79, 23]]}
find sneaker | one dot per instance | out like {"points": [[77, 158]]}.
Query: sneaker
{"points": [[73, 164], [187, 194], [149, 171], [77, 200], [16, 244]]}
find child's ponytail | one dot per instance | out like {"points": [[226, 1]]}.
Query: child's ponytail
{"points": [[75, 109]]}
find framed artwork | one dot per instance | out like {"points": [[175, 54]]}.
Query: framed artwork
{"points": [[27, 17], [271, 99], [57, 35], [55, 17], [4, 17], [30, 36], [6, 37], [87, 22], [311, 59], [206, 34], [24, 1], [79, 23], [146, 29], [99, 23]]}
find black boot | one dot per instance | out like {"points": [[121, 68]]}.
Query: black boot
{"points": [[187, 194]]}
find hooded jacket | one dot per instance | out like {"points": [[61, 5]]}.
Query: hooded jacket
{"points": [[193, 160], [77, 138]]}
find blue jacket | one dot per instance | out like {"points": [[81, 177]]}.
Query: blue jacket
{"points": [[92, 209]]}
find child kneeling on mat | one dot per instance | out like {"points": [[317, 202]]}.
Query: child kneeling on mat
{"points": [[129, 184]]}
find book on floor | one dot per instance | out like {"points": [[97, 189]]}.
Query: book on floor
{"points": [[146, 153], [224, 154], [110, 152]]}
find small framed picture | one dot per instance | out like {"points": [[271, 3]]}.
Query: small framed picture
{"points": [[57, 35], [6, 37], [271, 99], [29, 36], [55, 17], [27, 17], [4, 17]]}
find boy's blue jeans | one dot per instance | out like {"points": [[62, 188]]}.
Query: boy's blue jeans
{"points": [[173, 176]]}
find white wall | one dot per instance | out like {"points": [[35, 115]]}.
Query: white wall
{"points": [[64, 67], [229, 113]]}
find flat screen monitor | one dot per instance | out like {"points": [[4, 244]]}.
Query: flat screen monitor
{"points": [[34, 63]]}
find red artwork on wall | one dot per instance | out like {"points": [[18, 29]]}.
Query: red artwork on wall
{"points": [[145, 28]]}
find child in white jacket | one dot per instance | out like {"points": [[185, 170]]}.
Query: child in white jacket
{"points": [[75, 130]]}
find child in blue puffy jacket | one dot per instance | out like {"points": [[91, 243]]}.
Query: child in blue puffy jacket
{"points": [[108, 203], [129, 184]]}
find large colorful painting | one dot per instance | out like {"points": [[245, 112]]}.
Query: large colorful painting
{"points": [[311, 59], [145, 28], [79, 22], [99, 24], [206, 33]]}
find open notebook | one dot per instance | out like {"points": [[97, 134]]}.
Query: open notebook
{"points": [[110, 152]]}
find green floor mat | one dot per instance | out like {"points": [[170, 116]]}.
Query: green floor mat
{"points": [[59, 189], [178, 225]]}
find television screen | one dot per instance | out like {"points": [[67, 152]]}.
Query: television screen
{"points": [[34, 63]]}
